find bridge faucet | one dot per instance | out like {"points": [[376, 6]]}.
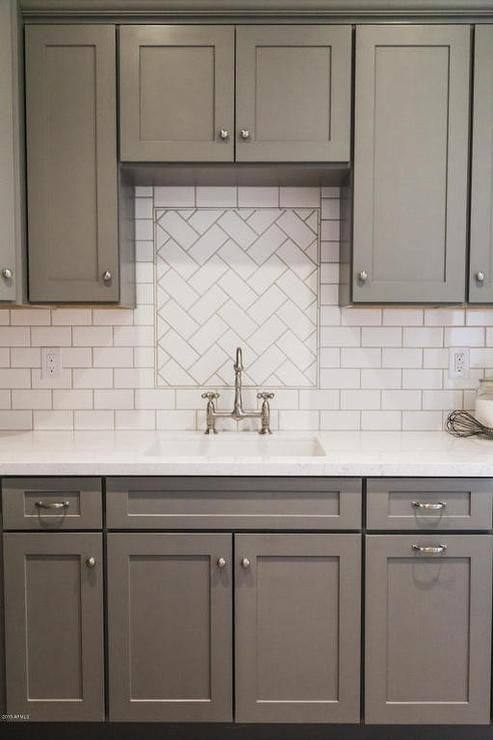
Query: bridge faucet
{"points": [[238, 413]]}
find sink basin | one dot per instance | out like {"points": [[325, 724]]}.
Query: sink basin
{"points": [[236, 446]]}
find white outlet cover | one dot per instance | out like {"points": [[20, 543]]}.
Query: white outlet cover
{"points": [[50, 362], [453, 374]]}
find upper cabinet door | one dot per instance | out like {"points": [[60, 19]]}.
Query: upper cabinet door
{"points": [[293, 93], [411, 163], [72, 163], [481, 248], [177, 93]]}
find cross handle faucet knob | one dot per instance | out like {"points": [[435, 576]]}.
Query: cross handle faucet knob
{"points": [[210, 395], [266, 396]]}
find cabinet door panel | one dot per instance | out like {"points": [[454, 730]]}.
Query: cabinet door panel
{"points": [[428, 630], [282, 73], [410, 163], [54, 626], [170, 627], [481, 245], [71, 163], [297, 612], [176, 93]]}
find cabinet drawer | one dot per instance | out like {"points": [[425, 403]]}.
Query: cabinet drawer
{"points": [[234, 503], [51, 503], [429, 503]]}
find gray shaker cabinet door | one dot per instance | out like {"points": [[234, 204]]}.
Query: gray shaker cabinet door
{"points": [[170, 627], [54, 626], [293, 93], [411, 163], [176, 93], [72, 163], [428, 630], [297, 617], [481, 245]]}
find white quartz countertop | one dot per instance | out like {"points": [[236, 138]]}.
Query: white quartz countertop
{"points": [[152, 453]]}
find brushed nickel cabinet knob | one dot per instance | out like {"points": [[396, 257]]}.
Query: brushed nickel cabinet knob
{"points": [[480, 276], [91, 562], [245, 134], [224, 133], [363, 276], [7, 273], [245, 563], [221, 563], [107, 276]]}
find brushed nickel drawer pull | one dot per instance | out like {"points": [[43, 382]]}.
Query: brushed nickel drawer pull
{"points": [[428, 506], [52, 504], [245, 563], [91, 561], [221, 562], [429, 549]]}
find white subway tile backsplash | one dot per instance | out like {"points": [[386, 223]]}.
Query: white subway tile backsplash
{"points": [[76, 357], [51, 336], [363, 399], [31, 399], [404, 400], [381, 378], [52, 420], [464, 337], [93, 377], [444, 317], [340, 420], [30, 317], [24, 357], [422, 337], [71, 399], [299, 197], [135, 419], [258, 197], [422, 378], [445, 400], [422, 421], [15, 336], [174, 197], [97, 420], [71, 316], [113, 356], [16, 420], [114, 399], [380, 420], [63, 380], [381, 336], [402, 317], [15, 378]]}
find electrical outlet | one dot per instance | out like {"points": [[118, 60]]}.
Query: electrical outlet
{"points": [[458, 363], [50, 362]]}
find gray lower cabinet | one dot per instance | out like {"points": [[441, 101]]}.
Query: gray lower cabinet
{"points": [[281, 73], [411, 163], [428, 629], [54, 626], [170, 627], [481, 242], [72, 164], [297, 627], [176, 93]]}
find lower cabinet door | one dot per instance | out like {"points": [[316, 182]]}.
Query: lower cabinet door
{"points": [[297, 612], [170, 627], [428, 629], [54, 626]]}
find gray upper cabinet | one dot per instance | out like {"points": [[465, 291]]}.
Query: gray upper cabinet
{"points": [[11, 129], [481, 245], [297, 618], [428, 629], [177, 93], [170, 627], [54, 626], [293, 93], [72, 163], [411, 163]]}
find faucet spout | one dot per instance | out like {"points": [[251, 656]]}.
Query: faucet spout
{"points": [[238, 368]]}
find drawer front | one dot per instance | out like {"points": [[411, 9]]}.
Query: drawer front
{"points": [[429, 503], [233, 503], [51, 503]]}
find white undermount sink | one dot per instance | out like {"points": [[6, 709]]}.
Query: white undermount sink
{"points": [[236, 446]]}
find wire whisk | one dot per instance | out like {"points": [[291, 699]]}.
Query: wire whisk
{"points": [[463, 424]]}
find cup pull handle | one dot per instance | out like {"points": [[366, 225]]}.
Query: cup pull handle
{"points": [[429, 549], [429, 506]]}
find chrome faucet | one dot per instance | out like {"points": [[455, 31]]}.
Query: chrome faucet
{"points": [[238, 412]]}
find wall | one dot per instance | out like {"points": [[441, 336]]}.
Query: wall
{"points": [[375, 368]]}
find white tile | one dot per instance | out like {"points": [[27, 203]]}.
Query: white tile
{"points": [[291, 197], [330, 192], [402, 317], [174, 197], [331, 208], [380, 420], [134, 378], [330, 316], [143, 207], [329, 251], [114, 399], [5, 355], [14, 336], [16, 420], [381, 336], [425, 421], [133, 336], [444, 317], [53, 420], [113, 356], [436, 358], [318, 399], [51, 336], [144, 356], [408, 400], [361, 357], [25, 357], [179, 420], [15, 378], [252, 197], [30, 317], [155, 398], [299, 420], [5, 398], [191, 399], [340, 378], [76, 357], [71, 316], [340, 420], [361, 316], [421, 378], [64, 380], [4, 316], [215, 197], [329, 273], [144, 272], [477, 358], [144, 251], [112, 316], [330, 231], [71, 399], [143, 229], [464, 337], [381, 378], [362, 399], [143, 191], [422, 337], [442, 400], [31, 399], [94, 420], [92, 336], [479, 317], [92, 377], [144, 316], [340, 336], [402, 357], [135, 419]]}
